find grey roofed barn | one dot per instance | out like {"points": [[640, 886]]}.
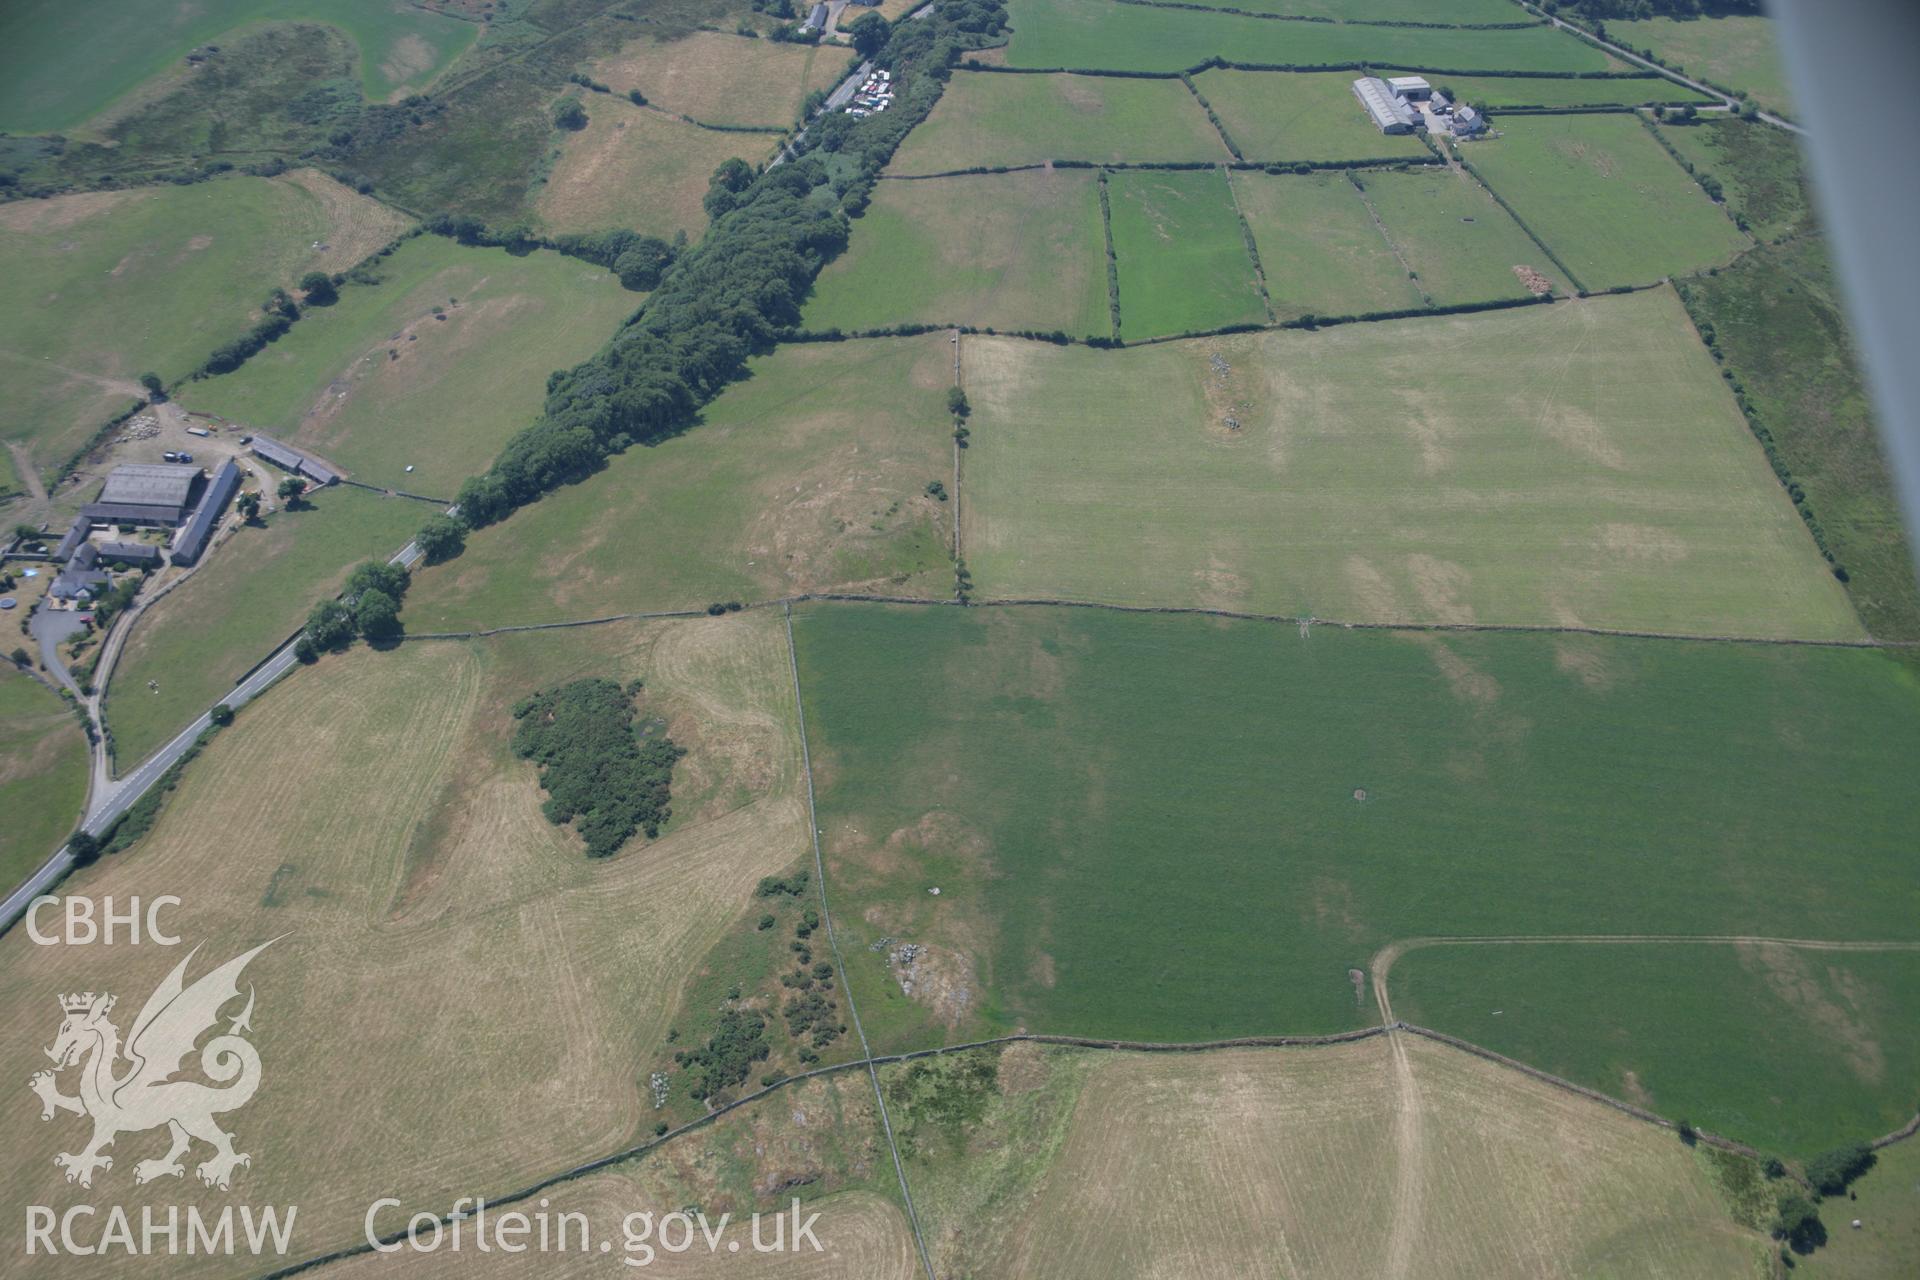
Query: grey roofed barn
{"points": [[288, 458], [278, 454], [206, 517], [1389, 113], [142, 553], [143, 484], [132, 513], [76, 534]]}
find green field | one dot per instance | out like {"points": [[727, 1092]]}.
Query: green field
{"points": [[1177, 828], [1887, 1202], [808, 475], [1290, 116], [639, 169], [434, 367], [109, 285], [1778, 318], [1099, 35], [1467, 14], [1319, 247], [251, 594], [1537, 91], [61, 64], [1577, 465], [1737, 51], [1758, 167], [1182, 256], [1675, 1028], [997, 119], [43, 773], [1008, 251], [1463, 245], [1605, 197]]}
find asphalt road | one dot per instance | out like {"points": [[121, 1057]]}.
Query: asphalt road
{"points": [[115, 797]]}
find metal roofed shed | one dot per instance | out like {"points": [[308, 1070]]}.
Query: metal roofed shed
{"points": [[206, 518], [288, 458], [1412, 88], [149, 484], [273, 451], [1389, 113], [816, 19]]}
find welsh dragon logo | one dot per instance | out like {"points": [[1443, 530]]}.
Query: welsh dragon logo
{"points": [[131, 1089]]}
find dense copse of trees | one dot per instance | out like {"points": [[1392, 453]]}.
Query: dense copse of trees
{"points": [[739, 1040], [1832, 1172], [735, 292], [441, 539], [316, 287], [598, 774], [368, 606], [569, 114]]}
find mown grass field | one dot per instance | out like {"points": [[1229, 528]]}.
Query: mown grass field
{"points": [[718, 78], [997, 119], [1093, 34], [1290, 116], [43, 773], [1322, 1162], [1580, 464], [110, 285], [1672, 1027], [1008, 251], [809, 475], [1539, 91], [1181, 255], [1758, 167], [1319, 247], [434, 367], [1604, 196], [1463, 245], [818, 1141], [497, 989], [1778, 317], [1738, 51], [1122, 810], [639, 169], [251, 593], [62, 64]]}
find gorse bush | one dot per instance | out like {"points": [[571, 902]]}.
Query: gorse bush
{"points": [[598, 774]]}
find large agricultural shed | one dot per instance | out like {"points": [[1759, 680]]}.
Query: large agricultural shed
{"points": [[193, 539], [1389, 112], [145, 493]]}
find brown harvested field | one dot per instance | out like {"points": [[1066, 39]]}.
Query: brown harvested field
{"points": [[640, 169], [1301, 1162], [717, 78], [458, 1001], [819, 1140]]}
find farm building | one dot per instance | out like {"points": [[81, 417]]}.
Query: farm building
{"points": [[1389, 113], [1467, 122], [145, 494], [816, 19], [206, 517], [76, 534], [1412, 88], [138, 554], [81, 579], [288, 459]]}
